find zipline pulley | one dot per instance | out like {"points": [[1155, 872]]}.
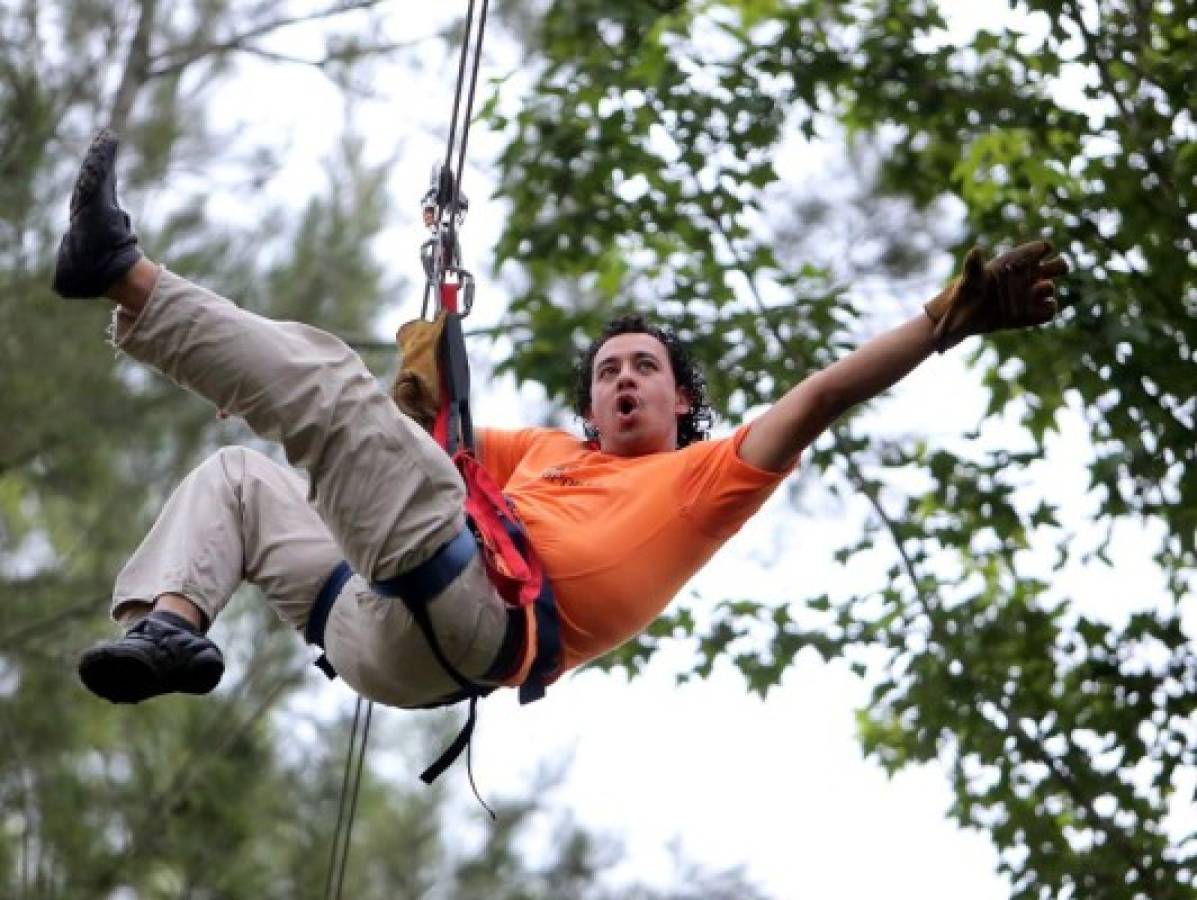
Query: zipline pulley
{"points": [[444, 209]]}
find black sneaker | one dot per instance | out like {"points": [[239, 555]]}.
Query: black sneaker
{"points": [[99, 246], [161, 654]]}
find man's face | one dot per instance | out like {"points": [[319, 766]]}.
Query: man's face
{"points": [[634, 398]]}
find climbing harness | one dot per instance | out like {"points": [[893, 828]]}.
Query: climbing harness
{"points": [[493, 532]]}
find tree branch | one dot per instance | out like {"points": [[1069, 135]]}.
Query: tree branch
{"points": [[10, 641], [176, 59], [371, 345], [136, 67], [328, 59], [53, 439], [1061, 774]]}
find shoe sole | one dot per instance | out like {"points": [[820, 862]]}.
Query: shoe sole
{"points": [[123, 678], [97, 163]]}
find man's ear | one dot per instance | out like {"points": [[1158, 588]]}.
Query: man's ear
{"points": [[683, 404]]}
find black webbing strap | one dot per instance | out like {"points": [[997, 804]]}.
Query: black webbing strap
{"points": [[416, 589], [318, 618], [419, 612], [419, 586], [455, 366]]}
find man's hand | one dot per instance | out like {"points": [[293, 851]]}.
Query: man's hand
{"points": [[1015, 290], [417, 387]]}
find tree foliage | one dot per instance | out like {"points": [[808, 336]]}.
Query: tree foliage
{"points": [[642, 170]]}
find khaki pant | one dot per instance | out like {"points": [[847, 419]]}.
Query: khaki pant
{"points": [[380, 493]]}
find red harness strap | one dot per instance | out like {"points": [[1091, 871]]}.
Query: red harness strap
{"points": [[516, 576]]}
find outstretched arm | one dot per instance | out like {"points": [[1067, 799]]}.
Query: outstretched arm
{"points": [[778, 437], [1015, 290]]}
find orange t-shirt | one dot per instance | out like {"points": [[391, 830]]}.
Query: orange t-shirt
{"points": [[619, 537]]}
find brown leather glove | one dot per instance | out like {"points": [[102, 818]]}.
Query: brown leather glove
{"points": [[417, 387], [1014, 290]]}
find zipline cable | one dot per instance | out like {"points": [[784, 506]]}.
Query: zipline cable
{"points": [[347, 804], [336, 861], [469, 113], [461, 67]]}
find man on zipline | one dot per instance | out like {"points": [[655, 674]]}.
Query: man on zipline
{"points": [[620, 521]]}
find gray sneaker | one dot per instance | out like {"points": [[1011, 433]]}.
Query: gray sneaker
{"points": [[99, 246], [161, 654]]}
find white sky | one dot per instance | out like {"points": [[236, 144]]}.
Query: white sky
{"points": [[778, 786]]}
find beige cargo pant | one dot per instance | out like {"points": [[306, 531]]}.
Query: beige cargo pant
{"points": [[379, 493]]}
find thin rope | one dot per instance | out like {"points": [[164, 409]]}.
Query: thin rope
{"points": [[469, 115], [357, 785], [461, 66], [473, 42], [341, 803], [470, 766]]}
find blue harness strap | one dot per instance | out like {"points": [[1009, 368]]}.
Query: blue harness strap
{"points": [[429, 578], [318, 619], [416, 588]]}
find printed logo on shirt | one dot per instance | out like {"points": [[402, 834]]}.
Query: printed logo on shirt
{"points": [[557, 475]]}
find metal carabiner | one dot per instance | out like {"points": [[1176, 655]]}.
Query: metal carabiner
{"points": [[437, 204], [465, 280], [441, 253]]}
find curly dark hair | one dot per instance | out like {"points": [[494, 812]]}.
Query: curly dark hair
{"points": [[694, 425]]}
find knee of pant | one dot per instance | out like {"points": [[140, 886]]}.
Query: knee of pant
{"points": [[236, 463], [240, 457], [230, 461]]}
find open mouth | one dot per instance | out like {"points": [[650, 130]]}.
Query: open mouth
{"points": [[626, 405]]}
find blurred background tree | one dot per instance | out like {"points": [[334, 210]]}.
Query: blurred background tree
{"points": [[172, 798]]}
